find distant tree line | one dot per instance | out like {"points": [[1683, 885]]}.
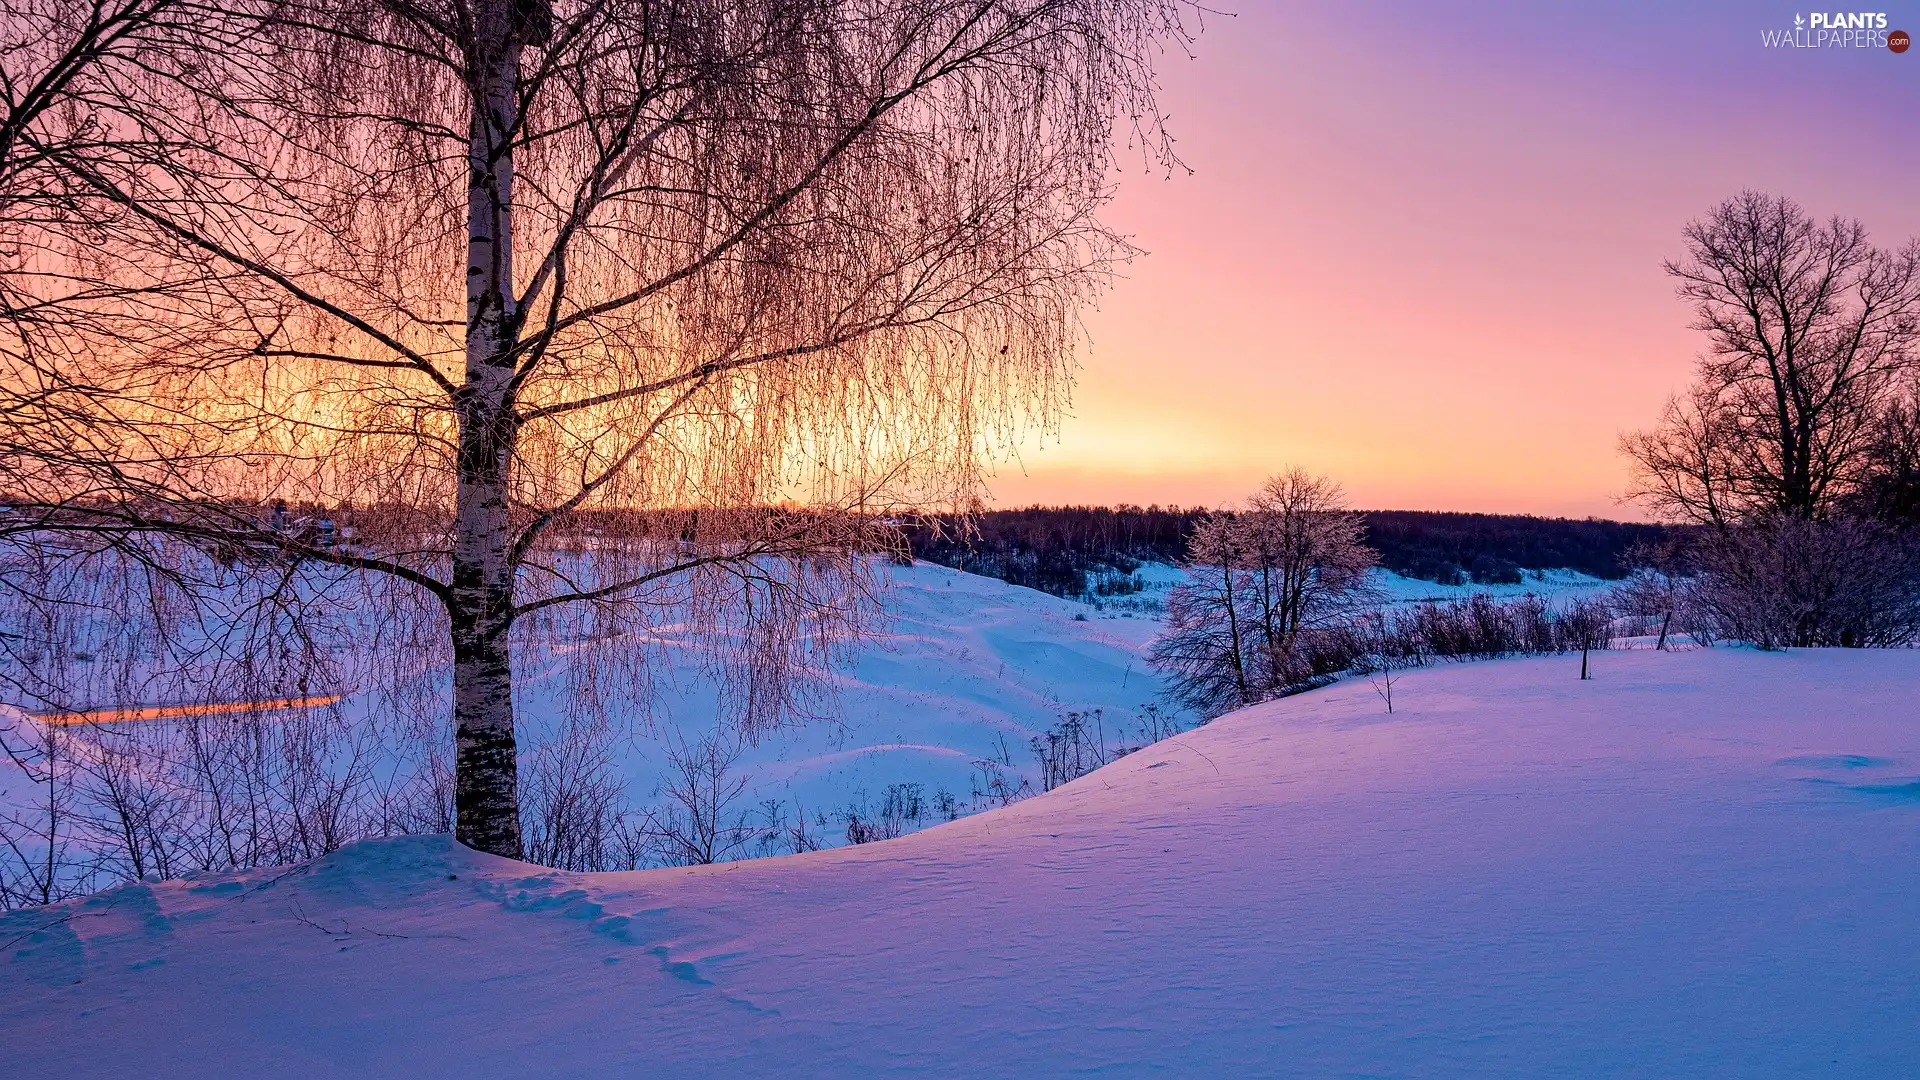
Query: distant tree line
{"points": [[1091, 550], [1454, 548], [1063, 550]]}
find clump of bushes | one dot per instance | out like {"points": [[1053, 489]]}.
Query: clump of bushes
{"points": [[1789, 582], [1479, 627], [1483, 628]]}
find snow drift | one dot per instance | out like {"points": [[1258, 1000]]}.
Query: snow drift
{"points": [[1700, 863]]}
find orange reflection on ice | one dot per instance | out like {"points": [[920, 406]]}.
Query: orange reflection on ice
{"points": [[170, 712]]}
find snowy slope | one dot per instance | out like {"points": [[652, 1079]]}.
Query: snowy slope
{"points": [[1699, 864], [1157, 578], [966, 668], [1547, 583]]}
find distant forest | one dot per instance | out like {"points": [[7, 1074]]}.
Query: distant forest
{"points": [[1491, 548], [1076, 550]]}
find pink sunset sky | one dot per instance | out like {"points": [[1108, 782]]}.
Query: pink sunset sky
{"points": [[1420, 248]]}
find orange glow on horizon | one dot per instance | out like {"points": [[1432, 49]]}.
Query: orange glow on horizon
{"points": [[1420, 251]]}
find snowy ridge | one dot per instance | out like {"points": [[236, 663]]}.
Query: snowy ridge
{"points": [[1700, 863]]}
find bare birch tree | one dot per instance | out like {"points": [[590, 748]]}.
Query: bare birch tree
{"points": [[1205, 646], [638, 306]]}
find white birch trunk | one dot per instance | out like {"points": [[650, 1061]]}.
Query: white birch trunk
{"points": [[486, 802]]}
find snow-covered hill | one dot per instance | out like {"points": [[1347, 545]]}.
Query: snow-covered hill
{"points": [[966, 669], [1698, 864], [970, 667]]}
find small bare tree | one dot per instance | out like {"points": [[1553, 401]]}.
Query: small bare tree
{"points": [[1205, 647], [1264, 584], [1585, 624], [701, 820], [572, 800], [1383, 657], [1309, 561]]}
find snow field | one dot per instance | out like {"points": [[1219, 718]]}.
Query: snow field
{"points": [[1697, 864]]}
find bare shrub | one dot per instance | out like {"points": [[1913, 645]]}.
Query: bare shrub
{"points": [[1483, 628], [1654, 601], [199, 785], [416, 794], [1384, 642], [902, 808], [1156, 724], [701, 820], [995, 783], [780, 835], [147, 800], [1072, 748], [572, 799], [138, 812], [41, 860], [1479, 627], [1791, 582], [1585, 625]]}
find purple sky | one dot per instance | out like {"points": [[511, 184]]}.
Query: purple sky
{"points": [[1420, 248]]}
